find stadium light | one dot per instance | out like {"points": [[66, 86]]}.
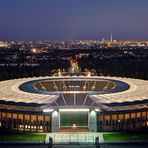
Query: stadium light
{"points": [[97, 110], [47, 110], [74, 110], [93, 113]]}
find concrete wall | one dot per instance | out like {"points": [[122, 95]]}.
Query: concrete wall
{"points": [[55, 121], [92, 121]]}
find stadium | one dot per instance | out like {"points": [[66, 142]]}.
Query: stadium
{"points": [[74, 103]]}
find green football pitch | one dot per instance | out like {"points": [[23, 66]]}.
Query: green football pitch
{"points": [[22, 137], [125, 136]]}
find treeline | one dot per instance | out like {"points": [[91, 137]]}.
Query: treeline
{"points": [[120, 67], [44, 69]]}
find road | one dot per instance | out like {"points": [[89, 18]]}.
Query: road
{"points": [[79, 146]]}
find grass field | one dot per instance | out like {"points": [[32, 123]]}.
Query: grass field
{"points": [[125, 136], [22, 137]]}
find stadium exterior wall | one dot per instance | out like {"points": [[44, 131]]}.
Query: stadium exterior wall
{"points": [[43, 122]]}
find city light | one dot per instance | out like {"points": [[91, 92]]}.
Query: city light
{"points": [[34, 50]]}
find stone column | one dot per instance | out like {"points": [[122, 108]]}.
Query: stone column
{"points": [[30, 122], [37, 123], [117, 122], [92, 121], [24, 123], [0, 116], [11, 120], [147, 118], [55, 121], [136, 120], [111, 123], [124, 121], [44, 123], [6, 120], [141, 120], [130, 121], [17, 122], [104, 127]]}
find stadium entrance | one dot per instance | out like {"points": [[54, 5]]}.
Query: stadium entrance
{"points": [[74, 120]]}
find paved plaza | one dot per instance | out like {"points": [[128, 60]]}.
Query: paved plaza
{"points": [[80, 138]]}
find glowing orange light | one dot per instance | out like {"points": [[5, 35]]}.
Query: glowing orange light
{"points": [[34, 50]]}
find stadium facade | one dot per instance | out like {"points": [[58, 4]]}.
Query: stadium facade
{"points": [[74, 103]]}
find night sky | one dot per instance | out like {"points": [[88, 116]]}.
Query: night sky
{"points": [[73, 19]]}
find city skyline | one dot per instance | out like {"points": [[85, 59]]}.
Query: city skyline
{"points": [[73, 20]]}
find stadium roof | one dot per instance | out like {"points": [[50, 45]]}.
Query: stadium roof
{"points": [[137, 92]]}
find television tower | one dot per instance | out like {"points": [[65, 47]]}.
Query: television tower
{"points": [[111, 38], [109, 44]]}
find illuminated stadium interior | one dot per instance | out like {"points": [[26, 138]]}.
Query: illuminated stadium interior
{"points": [[74, 85], [74, 103], [78, 85]]}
